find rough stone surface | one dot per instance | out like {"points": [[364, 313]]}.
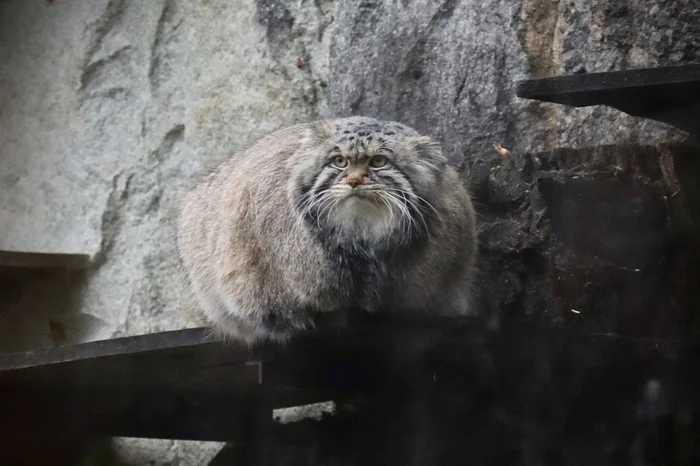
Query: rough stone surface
{"points": [[449, 67], [111, 110], [602, 239]]}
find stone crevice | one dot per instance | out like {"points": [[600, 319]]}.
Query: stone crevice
{"points": [[98, 30], [91, 72], [168, 23], [111, 221]]}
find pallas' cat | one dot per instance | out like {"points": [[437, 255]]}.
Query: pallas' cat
{"points": [[319, 217]]}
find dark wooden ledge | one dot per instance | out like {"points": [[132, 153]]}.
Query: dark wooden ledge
{"points": [[187, 385], [22, 259], [668, 94]]}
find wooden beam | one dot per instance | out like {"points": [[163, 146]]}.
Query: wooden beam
{"points": [[668, 94], [187, 385], [43, 260]]}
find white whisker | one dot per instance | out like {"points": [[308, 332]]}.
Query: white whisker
{"points": [[328, 207], [325, 203], [388, 206], [416, 196], [406, 218], [422, 218]]}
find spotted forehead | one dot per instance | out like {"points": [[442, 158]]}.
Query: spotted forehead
{"points": [[355, 132]]}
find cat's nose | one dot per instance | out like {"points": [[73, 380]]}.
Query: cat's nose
{"points": [[355, 181], [355, 176]]}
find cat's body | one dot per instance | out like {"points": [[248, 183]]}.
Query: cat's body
{"points": [[302, 222]]}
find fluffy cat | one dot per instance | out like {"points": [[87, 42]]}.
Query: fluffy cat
{"points": [[318, 217]]}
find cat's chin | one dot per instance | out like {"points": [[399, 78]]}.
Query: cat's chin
{"points": [[361, 217]]}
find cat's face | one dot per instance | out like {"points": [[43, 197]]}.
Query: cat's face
{"points": [[363, 179]]}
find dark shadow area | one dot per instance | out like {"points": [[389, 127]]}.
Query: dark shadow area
{"points": [[39, 308]]}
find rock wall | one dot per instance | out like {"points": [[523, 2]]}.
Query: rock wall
{"points": [[602, 239], [110, 110]]}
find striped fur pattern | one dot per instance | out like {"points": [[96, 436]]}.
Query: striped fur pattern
{"points": [[319, 217]]}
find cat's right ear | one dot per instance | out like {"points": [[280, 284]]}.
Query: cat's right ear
{"points": [[317, 132]]}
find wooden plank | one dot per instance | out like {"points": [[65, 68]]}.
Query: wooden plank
{"points": [[186, 385], [173, 340], [181, 384], [581, 90], [43, 260], [669, 94]]}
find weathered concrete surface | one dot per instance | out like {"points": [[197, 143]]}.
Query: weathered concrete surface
{"points": [[110, 111]]}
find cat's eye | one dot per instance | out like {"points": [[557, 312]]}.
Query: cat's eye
{"points": [[377, 161], [339, 161]]}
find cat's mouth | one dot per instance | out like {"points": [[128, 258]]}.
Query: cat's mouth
{"points": [[359, 193]]}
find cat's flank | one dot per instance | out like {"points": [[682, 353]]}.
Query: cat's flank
{"points": [[318, 217]]}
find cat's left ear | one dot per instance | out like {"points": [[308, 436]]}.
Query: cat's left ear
{"points": [[429, 152], [317, 132]]}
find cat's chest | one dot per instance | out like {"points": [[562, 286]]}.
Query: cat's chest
{"points": [[361, 276]]}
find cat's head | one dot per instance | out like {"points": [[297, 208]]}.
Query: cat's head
{"points": [[362, 179]]}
